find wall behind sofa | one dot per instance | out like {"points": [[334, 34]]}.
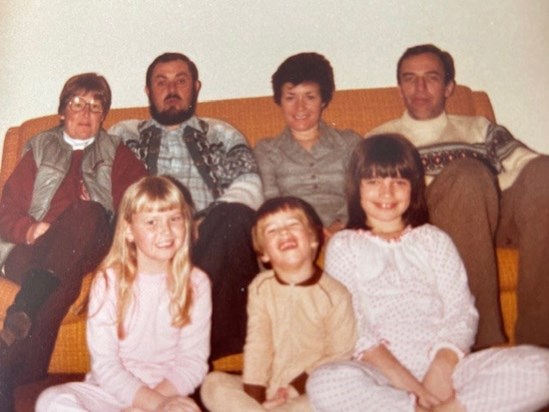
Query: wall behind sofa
{"points": [[500, 46]]}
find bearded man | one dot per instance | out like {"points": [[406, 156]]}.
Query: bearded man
{"points": [[215, 163]]}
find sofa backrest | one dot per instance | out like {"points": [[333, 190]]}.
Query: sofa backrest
{"points": [[257, 117]]}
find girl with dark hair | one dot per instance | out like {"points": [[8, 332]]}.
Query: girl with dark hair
{"points": [[416, 317], [389, 156]]}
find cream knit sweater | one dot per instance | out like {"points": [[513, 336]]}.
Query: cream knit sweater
{"points": [[446, 137]]}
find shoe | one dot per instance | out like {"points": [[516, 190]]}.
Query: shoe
{"points": [[16, 327], [36, 288]]}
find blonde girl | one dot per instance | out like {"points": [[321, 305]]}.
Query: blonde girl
{"points": [[149, 315], [416, 316]]}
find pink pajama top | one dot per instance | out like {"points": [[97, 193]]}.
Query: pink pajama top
{"points": [[153, 350]]}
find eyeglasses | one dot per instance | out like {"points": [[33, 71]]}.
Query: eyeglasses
{"points": [[77, 104]]}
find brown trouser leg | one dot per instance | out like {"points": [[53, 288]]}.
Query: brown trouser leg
{"points": [[463, 201], [524, 223]]}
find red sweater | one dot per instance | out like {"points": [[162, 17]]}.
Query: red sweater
{"points": [[17, 193]]}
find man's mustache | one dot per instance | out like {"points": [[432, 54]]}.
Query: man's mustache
{"points": [[172, 96]]}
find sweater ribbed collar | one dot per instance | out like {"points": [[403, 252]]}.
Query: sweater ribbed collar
{"points": [[77, 144], [429, 129]]}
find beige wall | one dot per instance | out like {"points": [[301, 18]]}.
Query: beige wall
{"points": [[500, 46]]}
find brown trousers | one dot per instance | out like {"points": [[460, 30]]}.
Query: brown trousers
{"points": [[464, 200]]}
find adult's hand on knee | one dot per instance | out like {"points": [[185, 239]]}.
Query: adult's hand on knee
{"points": [[35, 231]]}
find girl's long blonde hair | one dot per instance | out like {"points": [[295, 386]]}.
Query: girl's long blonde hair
{"points": [[150, 194]]}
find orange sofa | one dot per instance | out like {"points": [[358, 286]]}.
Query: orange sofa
{"points": [[256, 117]]}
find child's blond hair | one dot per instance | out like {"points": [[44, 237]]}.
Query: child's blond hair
{"points": [[150, 194]]}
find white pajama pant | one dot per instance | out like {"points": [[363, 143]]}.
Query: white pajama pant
{"points": [[498, 379], [77, 396]]}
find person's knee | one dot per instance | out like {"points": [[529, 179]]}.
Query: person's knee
{"points": [[466, 187], [535, 359], [318, 387], [325, 377], [47, 399], [317, 381], [213, 389], [85, 216], [468, 173], [235, 219], [531, 189], [96, 228], [537, 168], [211, 381], [235, 212], [93, 212]]}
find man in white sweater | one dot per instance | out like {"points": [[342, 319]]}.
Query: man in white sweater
{"points": [[485, 188]]}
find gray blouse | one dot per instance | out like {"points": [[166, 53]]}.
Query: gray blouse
{"points": [[317, 176]]}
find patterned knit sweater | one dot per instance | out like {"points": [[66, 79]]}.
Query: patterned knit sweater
{"points": [[449, 137]]}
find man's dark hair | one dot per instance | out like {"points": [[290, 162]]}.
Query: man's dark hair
{"points": [[302, 68], [170, 117], [170, 57], [444, 57]]}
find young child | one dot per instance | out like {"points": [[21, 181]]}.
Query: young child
{"points": [[415, 314], [149, 313], [298, 316]]}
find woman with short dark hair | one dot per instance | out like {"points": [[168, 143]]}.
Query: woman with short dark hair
{"points": [[309, 158]]}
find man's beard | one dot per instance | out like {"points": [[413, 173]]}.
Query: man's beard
{"points": [[172, 116]]}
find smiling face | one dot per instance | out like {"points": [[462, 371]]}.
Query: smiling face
{"points": [[288, 243], [384, 200], [82, 124], [422, 87], [172, 92], [157, 236], [302, 106]]}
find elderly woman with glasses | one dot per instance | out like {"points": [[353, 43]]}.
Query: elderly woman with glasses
{"points": [[56, 213]]}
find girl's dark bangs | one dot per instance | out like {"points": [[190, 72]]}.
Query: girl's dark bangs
{"points": [[386, 169]]}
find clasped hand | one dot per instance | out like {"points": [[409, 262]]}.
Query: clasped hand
{"points": [[280, 397]]}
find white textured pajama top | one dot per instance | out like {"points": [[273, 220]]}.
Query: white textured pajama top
{"points": [[410, 293]]}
